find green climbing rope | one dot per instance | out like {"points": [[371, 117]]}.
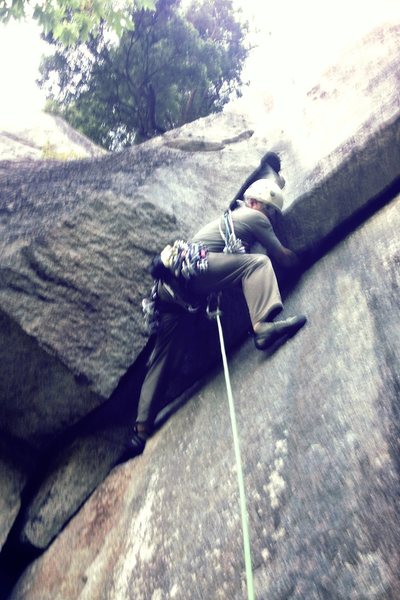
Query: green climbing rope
{"points": [[243, 507]]}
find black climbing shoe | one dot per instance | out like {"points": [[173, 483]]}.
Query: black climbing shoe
{"points": [[271, 332], [134, 447]]}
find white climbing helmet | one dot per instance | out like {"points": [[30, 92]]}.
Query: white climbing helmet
{"points": [[266, 191]]}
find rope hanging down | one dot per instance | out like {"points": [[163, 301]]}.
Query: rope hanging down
{"points": [[215, 314]]}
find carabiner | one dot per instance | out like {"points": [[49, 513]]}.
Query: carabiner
{"points": [[216, 312]]}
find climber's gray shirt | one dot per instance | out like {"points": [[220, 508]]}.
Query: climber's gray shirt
{"points": [[251, 226]]}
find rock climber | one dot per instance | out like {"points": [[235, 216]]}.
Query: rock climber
{"points": [[224, 259]]}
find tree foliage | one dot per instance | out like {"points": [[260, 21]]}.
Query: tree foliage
{"points": [[70, 21], [174, 66]]}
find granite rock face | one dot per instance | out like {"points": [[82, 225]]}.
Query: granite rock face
{"points": [[318, 423], [76, 240]]}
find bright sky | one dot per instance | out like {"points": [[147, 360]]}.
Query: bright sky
{"points": [[20, 51], [296, 38]]}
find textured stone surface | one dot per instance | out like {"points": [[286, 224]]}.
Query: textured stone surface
{"points": [[40, 397], [76, 239], [350, 187], [318, 421], [81, 466]]}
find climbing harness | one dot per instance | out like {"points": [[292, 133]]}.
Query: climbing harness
{"points": [[216, 314], [185, 260], [233, 245]]}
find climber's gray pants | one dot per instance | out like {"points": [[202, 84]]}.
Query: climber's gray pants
{"points": [[253, 271], [256, 275]]}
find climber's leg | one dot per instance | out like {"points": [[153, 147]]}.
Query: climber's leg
{"points": [[166, 354], [253, 271], [260, 288], [167, 351]]}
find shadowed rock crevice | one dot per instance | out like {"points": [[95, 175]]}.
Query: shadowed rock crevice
{"points": [[97, 440], [194, 145], [311, 255]]}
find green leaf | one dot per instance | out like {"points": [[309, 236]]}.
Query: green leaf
{"points": [[145, 4]]}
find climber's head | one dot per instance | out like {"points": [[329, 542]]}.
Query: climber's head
{"points": [[264, 195], [268, 169]]}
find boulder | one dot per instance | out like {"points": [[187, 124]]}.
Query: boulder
{"points": [[318, 425], [76, 240], [41, 136]]}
